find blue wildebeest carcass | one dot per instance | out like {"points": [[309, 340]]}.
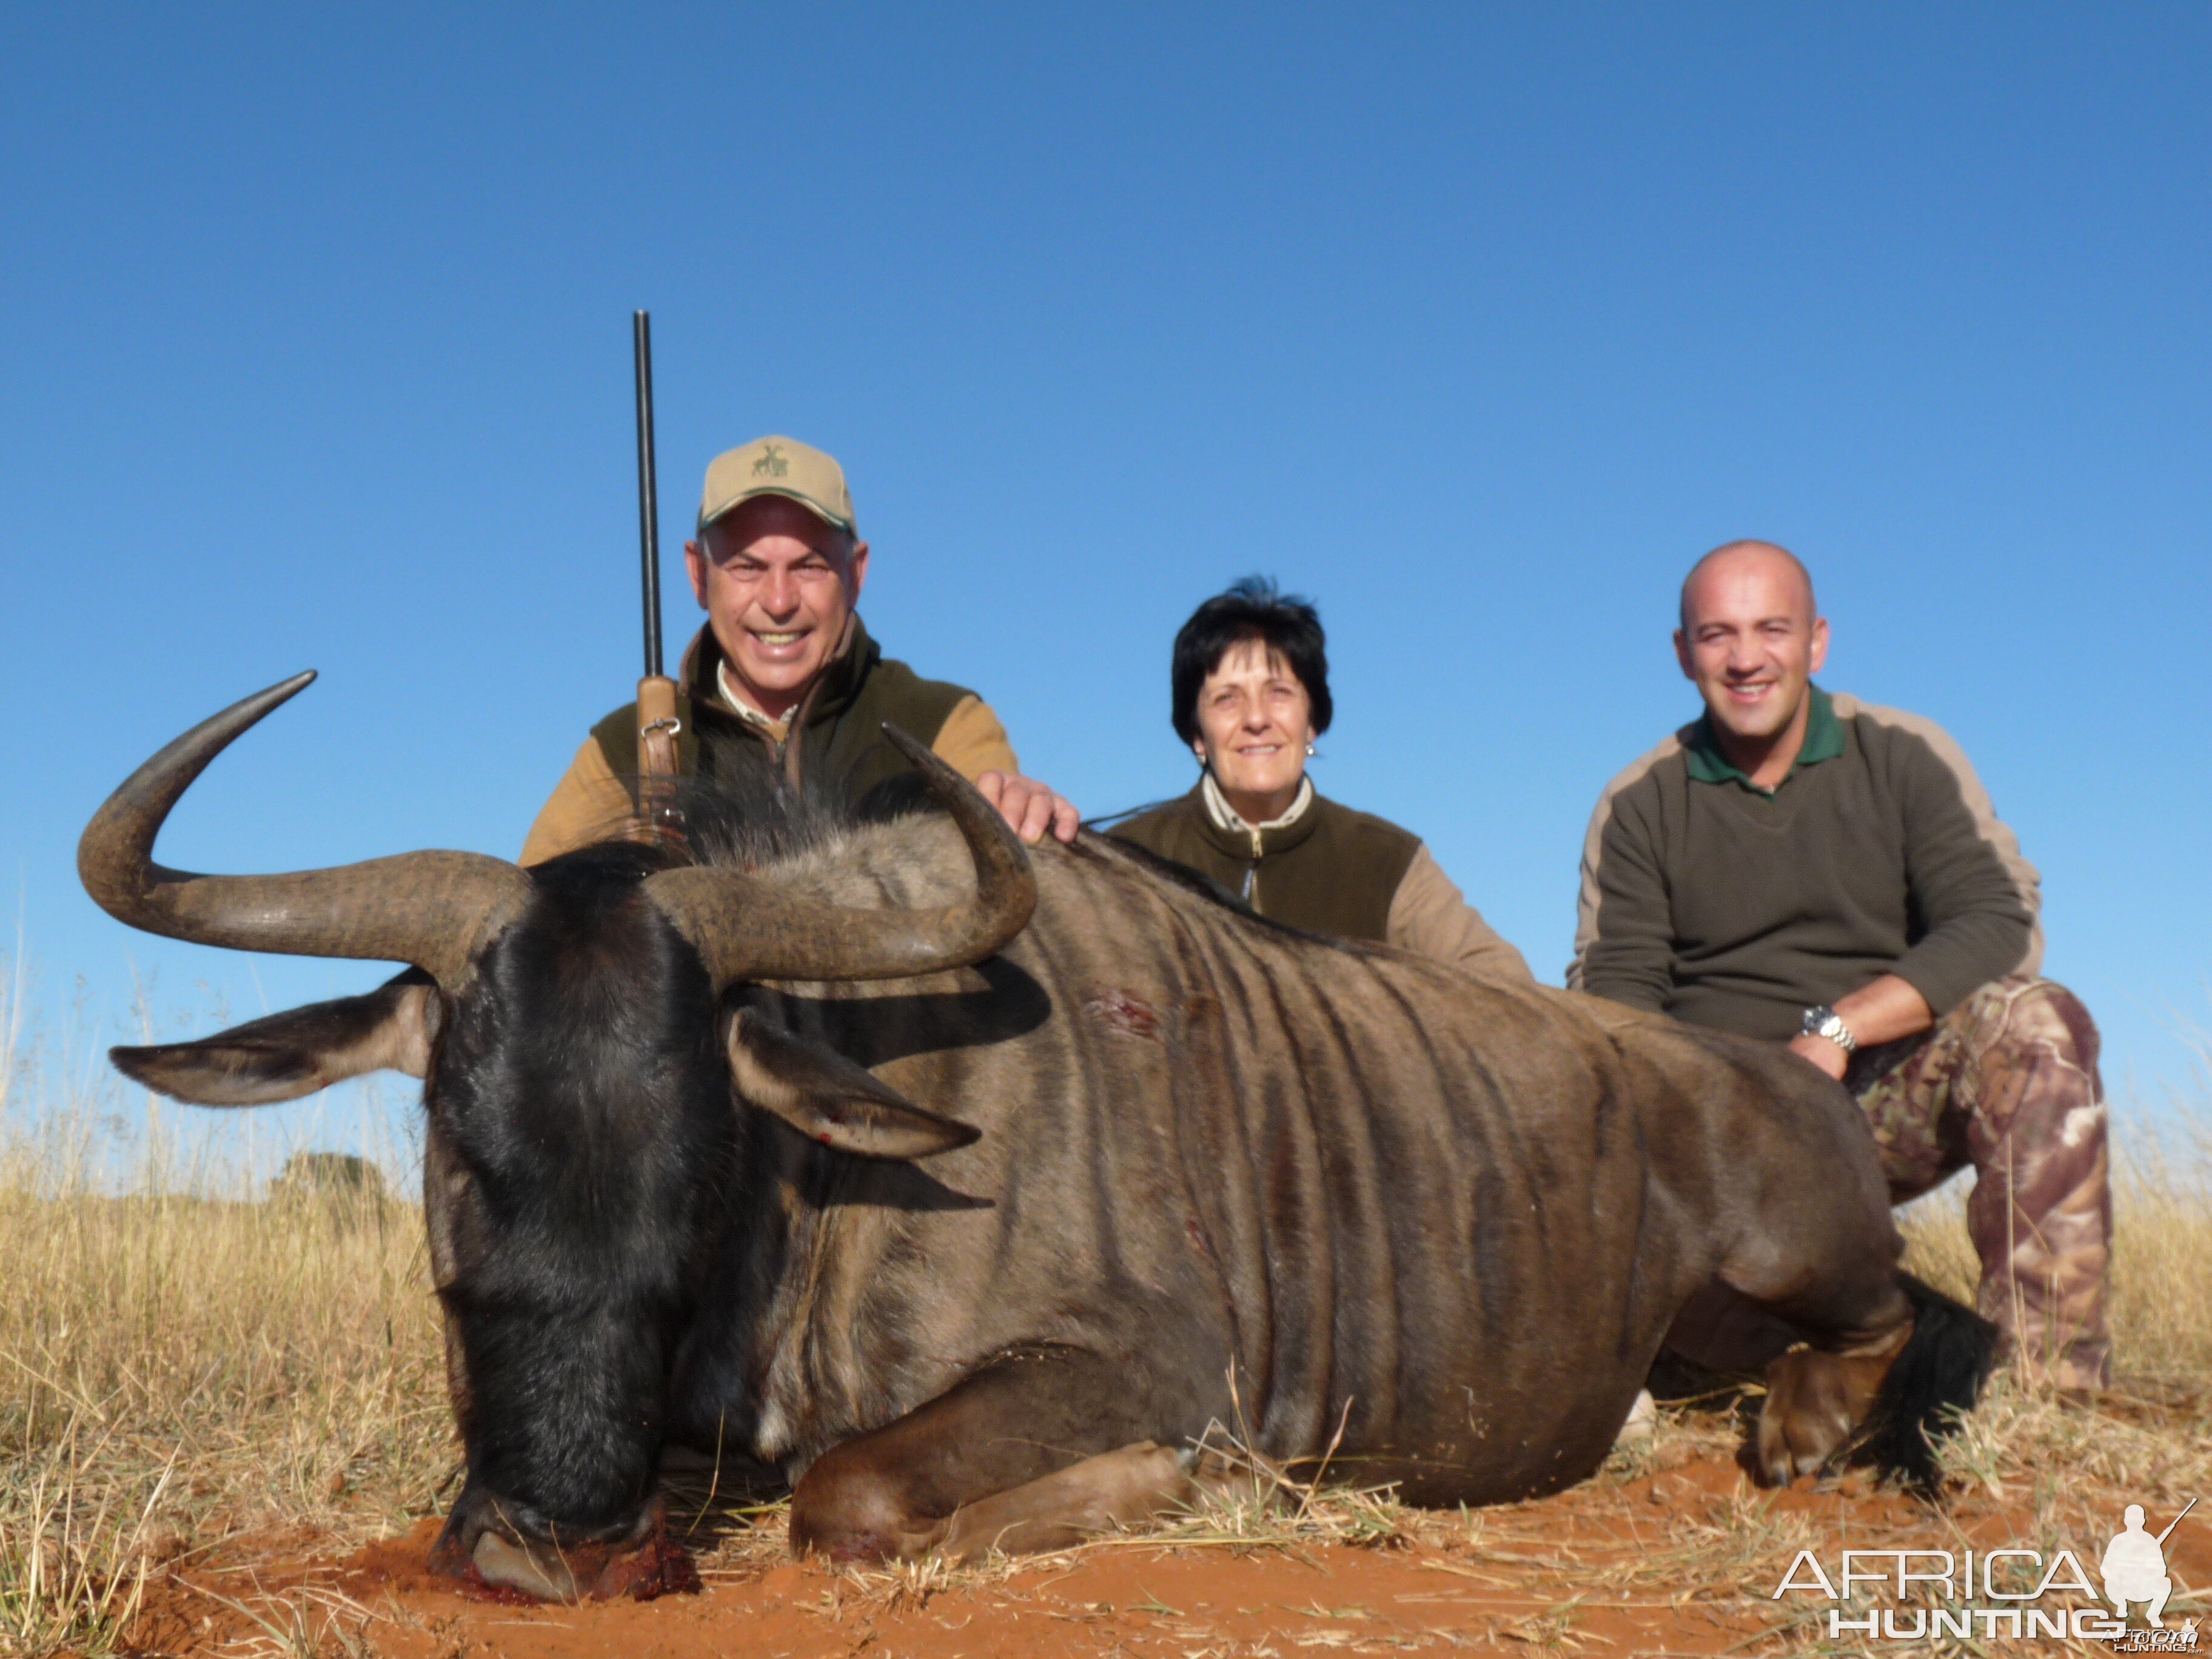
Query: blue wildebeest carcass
{"points": [[958, 1183]]}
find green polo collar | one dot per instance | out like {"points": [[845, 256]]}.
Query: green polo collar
{"points": [[1824, 741]]}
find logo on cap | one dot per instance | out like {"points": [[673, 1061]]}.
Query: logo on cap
{"points": [[771, 462]]}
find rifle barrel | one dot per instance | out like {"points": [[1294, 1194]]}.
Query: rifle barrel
{"points": [[2176, 1522], [648, 508]]}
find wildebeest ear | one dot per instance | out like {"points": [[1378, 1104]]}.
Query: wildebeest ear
{"points": [[286, 1055], [829, 1098]]}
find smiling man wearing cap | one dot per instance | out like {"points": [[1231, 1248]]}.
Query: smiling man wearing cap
{"points": [[778, 567]]}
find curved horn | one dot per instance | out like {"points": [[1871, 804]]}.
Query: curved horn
{"points": [[432, 909], [746, 928]]}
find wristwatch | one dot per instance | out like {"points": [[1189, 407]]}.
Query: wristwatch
{"points": [[1825, 1022]]}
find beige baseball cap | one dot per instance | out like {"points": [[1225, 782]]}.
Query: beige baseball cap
{"points": [[777, 466]]}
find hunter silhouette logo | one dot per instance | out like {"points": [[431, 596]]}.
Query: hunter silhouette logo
{"points": [[2134, 1566], [772, 462]]}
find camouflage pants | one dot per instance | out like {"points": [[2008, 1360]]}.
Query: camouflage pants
{"points": [[2008, 1082]]}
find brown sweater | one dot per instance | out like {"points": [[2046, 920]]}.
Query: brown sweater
{"points": [[1709, 899], [1332, 871]]}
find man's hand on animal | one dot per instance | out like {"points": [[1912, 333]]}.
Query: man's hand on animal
{"points": [[1031, 807]]}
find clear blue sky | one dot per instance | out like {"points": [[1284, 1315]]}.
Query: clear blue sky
{"points": [[1477, 324]]}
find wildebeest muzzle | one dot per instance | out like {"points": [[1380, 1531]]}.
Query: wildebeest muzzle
{"points": [[503, 1551]]}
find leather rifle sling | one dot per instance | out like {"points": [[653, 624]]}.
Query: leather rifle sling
{"points": [[660, 818]]}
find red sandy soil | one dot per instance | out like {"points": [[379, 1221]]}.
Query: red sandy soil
{"points": [[1586, 1572]]}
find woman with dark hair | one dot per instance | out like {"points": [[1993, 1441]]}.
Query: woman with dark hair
{"points": [[1250, 681]]}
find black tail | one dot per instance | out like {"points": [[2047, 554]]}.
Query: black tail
{"points": [[1934, 1381]]}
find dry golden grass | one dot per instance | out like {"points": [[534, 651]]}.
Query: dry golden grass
{"points": [[177, 1368], [180, 1363], [181, 1358]]}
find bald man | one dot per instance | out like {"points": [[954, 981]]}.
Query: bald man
{"points": [[1815, 871]]}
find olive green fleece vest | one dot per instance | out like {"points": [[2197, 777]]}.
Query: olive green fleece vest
{"points": [[844, 749], [1335, 870]]}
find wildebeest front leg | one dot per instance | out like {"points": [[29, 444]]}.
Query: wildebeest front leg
{"points": [[1032, 1453], [1823, 1375], [1861, 1360]]}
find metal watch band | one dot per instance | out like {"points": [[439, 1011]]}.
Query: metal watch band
{"points": [[1825, 1022]]}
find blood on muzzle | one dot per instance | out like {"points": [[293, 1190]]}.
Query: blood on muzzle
{"points": [[503, 1565]]}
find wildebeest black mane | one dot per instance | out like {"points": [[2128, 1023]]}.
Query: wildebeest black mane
{"points": [[756, 819]]}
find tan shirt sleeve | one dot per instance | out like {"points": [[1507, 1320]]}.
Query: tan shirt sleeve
{"points": [[972, 742], [1432, 917], [589, 804]]}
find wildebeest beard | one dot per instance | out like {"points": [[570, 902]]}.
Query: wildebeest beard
{"points": [[589, 1166], [588, 1155], [604, 1207]]}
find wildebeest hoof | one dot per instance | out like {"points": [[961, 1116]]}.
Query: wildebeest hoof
{"points": [[1112, 1492], [1243, 1476], [1815, 1403], [843, 1508]]}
